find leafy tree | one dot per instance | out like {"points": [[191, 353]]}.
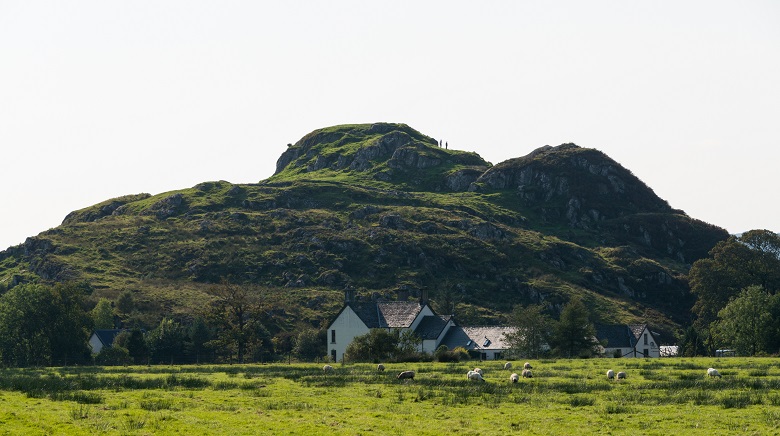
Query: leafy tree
{"points": [[41, 324], [103, 315], [125, 303], [310, 344], [534, 329], [114, 355], [692, 342], [574, 334], [68, 323], [136, 346], [746, 323], [234, 316], [734, 264], [200, 335], [166, 341], [376, 345]]}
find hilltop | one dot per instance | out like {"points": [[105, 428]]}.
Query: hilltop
{"points": [[383, 209]]}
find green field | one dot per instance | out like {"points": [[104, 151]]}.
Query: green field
{"points": [[661, 396]]}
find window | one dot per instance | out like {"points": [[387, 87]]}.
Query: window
{"points": [[333, 336], [645, 338], [646, 352], [333, 355]]}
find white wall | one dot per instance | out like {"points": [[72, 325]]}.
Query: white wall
{"points": [[347, 326], [95, 344]]}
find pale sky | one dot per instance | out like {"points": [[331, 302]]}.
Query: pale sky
{"points": [[104, 98]]}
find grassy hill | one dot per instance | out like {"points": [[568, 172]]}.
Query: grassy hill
{"points": [[382, 209]]}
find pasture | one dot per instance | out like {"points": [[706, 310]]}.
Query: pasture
{"points": [[661, 396]]}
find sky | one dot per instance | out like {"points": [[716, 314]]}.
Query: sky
{"points": [[105, 98]]}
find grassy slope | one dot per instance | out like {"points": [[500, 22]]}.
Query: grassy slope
{"points": [[328, 227], [667, 396]]}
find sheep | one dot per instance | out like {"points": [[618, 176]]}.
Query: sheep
{"points": [[712, 372], [327, 368], [610, 375], [478, 370], [621, 375], [380, 367], [514, 378], [527, 365], [527, 373], [508, 366], [474, 376], [406, 375]]}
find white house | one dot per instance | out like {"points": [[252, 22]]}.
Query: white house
{"points": [[101, 339], [357, 318], [633, 340]]}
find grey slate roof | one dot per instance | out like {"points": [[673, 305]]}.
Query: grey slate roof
{"points": [[620, 335], [478, 338], [106, 337], [430, 327], [386, 314]]}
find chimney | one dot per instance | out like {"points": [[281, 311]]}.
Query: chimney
{"points": [[349, 294], [423, 296]]}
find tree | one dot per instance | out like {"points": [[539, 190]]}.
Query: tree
{"points": [[68, 323], [746, 323], [376, 345], [125, 303], [41, 324], [103, 315], [533, 331], [136, 346], [309, 344], [200, 335], [234, 316], [574, 334], [734, 264], [166, 341]]}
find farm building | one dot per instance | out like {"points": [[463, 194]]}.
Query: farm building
{"points": [[632, 340], [357, 318], [102, 339], [488, 342]]}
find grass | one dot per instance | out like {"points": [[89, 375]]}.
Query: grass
{"points": [[564, 397]]}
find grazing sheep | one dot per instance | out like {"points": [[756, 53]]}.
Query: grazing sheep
{"points": [[527, 373], [527, 366], [508, 365], [621, 375], [478, 370], [380, 367], [327, 368], [610, 375], [514, 378], [712, 372], [406, 375], [474, 376]]}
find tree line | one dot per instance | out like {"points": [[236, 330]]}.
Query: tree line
{"points": [[42, 325]]}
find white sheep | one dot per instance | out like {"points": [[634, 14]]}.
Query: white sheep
{"points": [[406, 375], [514, 378], [327, 368], [621, 375], [527, 373], [527, 365], [712, 372], [478, 370], [474, 376], [508, 365], [380, 367], [610, 375]]}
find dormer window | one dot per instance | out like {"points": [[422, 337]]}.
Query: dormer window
{"points": [[486, 343]]}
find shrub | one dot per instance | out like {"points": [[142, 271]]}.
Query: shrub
{"points": [[111, 356]]}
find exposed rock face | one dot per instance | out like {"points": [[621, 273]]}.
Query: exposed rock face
{"points": [[578, 186]]}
